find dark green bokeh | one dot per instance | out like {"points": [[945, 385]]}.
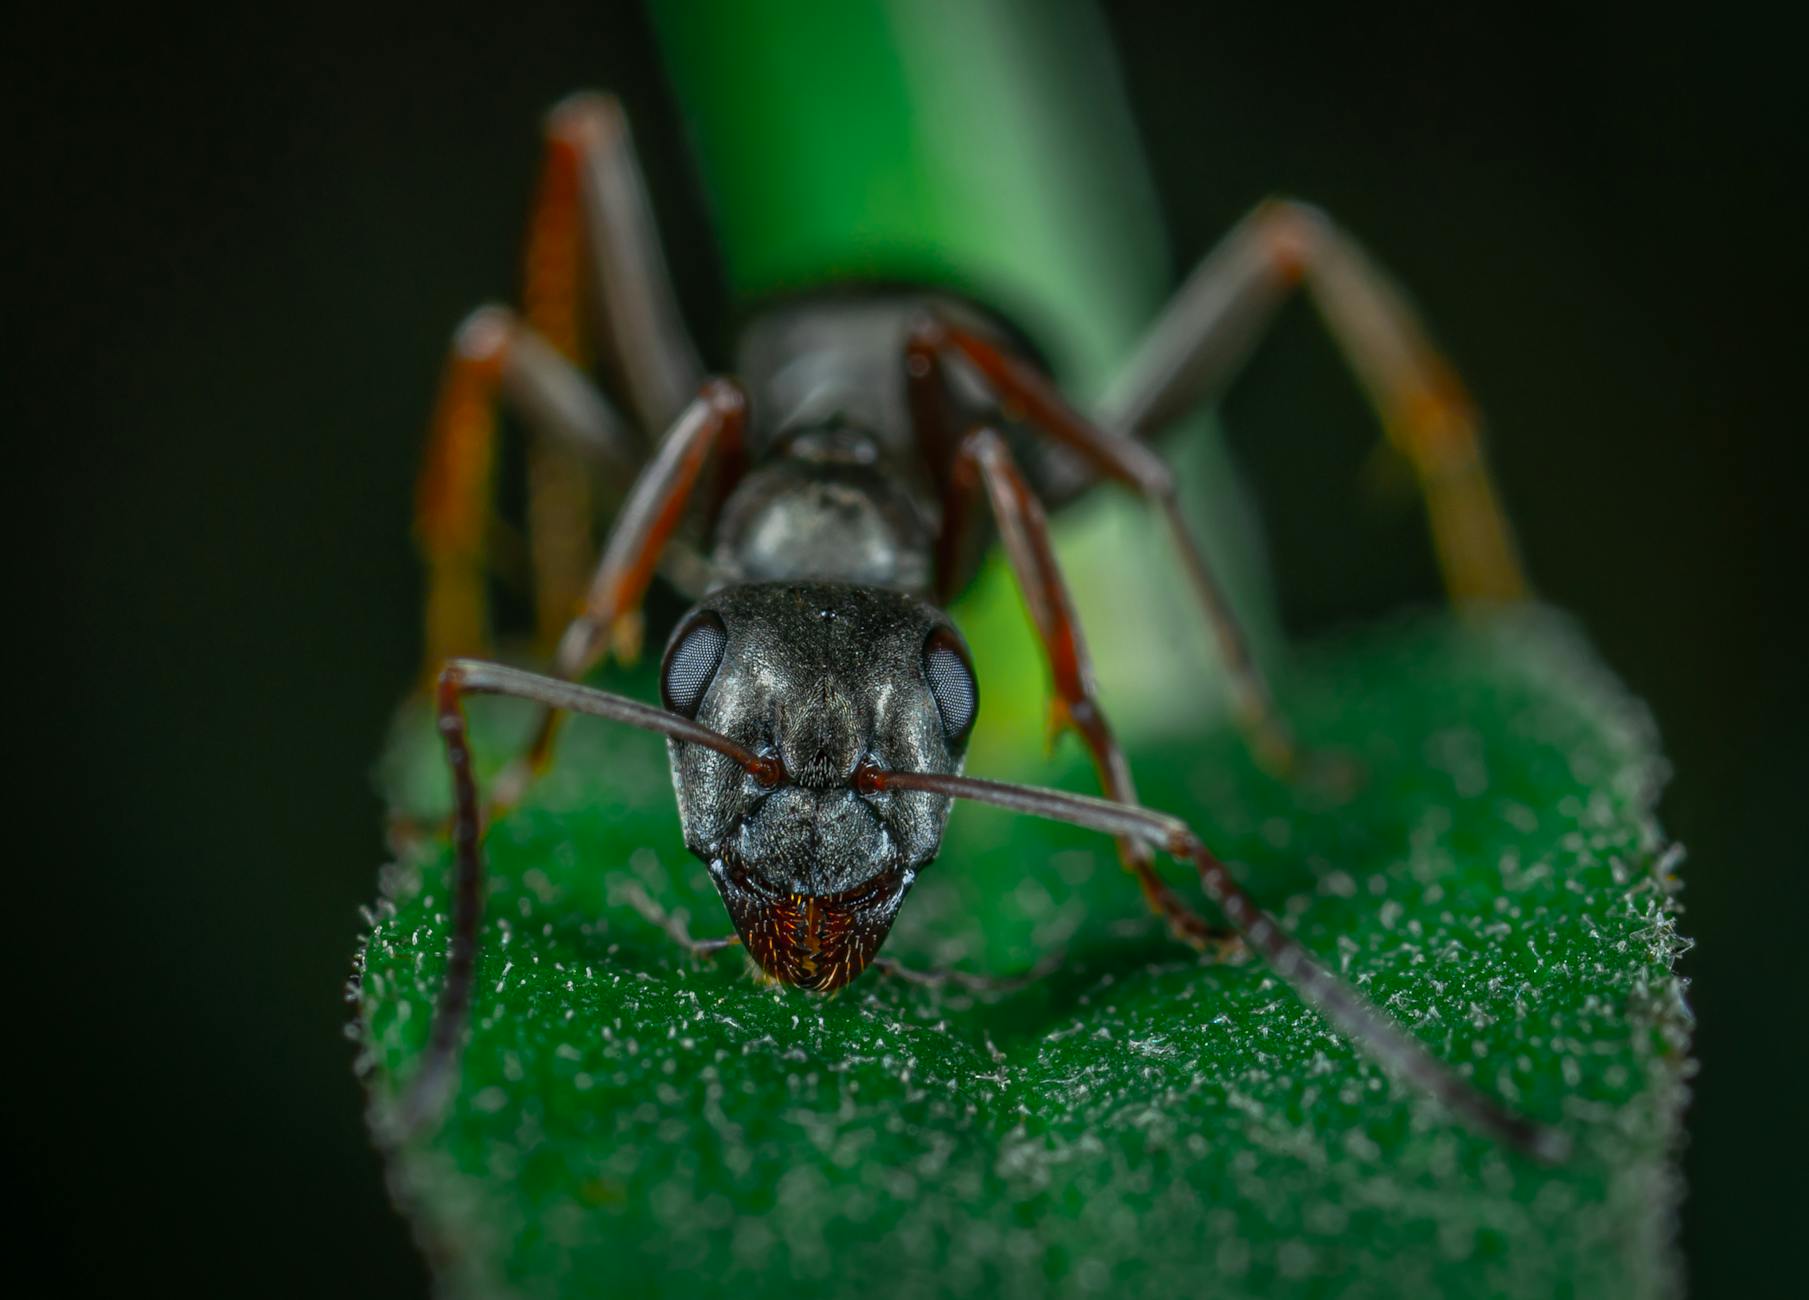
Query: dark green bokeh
{"points": [[250, 236]]}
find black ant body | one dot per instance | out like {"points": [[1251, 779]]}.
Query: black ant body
{"points": [[817, 701]]}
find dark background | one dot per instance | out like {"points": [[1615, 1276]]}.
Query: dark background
{"points": [[246, 240]]}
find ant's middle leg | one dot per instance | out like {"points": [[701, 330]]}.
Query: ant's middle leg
{"points": [[982, 462], [494, 355], [1195, 348]]}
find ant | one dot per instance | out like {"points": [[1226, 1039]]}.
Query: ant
{"points": [[816, 700]]}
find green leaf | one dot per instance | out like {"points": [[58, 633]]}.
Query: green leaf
{"points": [[630, 1122]]}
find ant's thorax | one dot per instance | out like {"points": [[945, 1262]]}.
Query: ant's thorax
{"points": [[838, 487]]}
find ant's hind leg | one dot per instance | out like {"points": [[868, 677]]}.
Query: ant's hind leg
{"points": [[1197, 346], [592, 260], [593, 264], [594, 217]]}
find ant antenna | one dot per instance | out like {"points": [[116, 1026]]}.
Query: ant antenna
{"points": [[1354, 1016], [426, 1094]]}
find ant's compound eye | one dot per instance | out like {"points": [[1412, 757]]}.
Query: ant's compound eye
{"points": [[691, 663], [952, 683]]}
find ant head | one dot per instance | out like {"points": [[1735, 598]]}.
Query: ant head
{"points": [[825, 679]]}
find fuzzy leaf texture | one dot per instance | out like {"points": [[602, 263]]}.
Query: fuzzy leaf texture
{"points": [[630, 1122]]}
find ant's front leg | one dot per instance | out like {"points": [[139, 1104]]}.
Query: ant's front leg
{"points": [[710, 427], [674, 927], [981, 460]]}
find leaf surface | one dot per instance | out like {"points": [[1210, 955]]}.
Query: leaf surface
{"points": [[1142, 1122]]}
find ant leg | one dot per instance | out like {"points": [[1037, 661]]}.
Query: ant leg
{"points": [[982, 459], [428, 1091], [494, 355], [1027, 395], [942, 976], [711, 424], [675, 928], [590, 220], [596, 210], [1347, 1010], [592, 224], [1197, 345]]}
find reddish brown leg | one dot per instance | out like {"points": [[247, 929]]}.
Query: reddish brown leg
{"points": [[1027, 396], [559, 506], [1196, 347], [452, 495], [592, 257], [983, 461], [593, 225], [494, 356], [610, 617], [600, 221]]}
